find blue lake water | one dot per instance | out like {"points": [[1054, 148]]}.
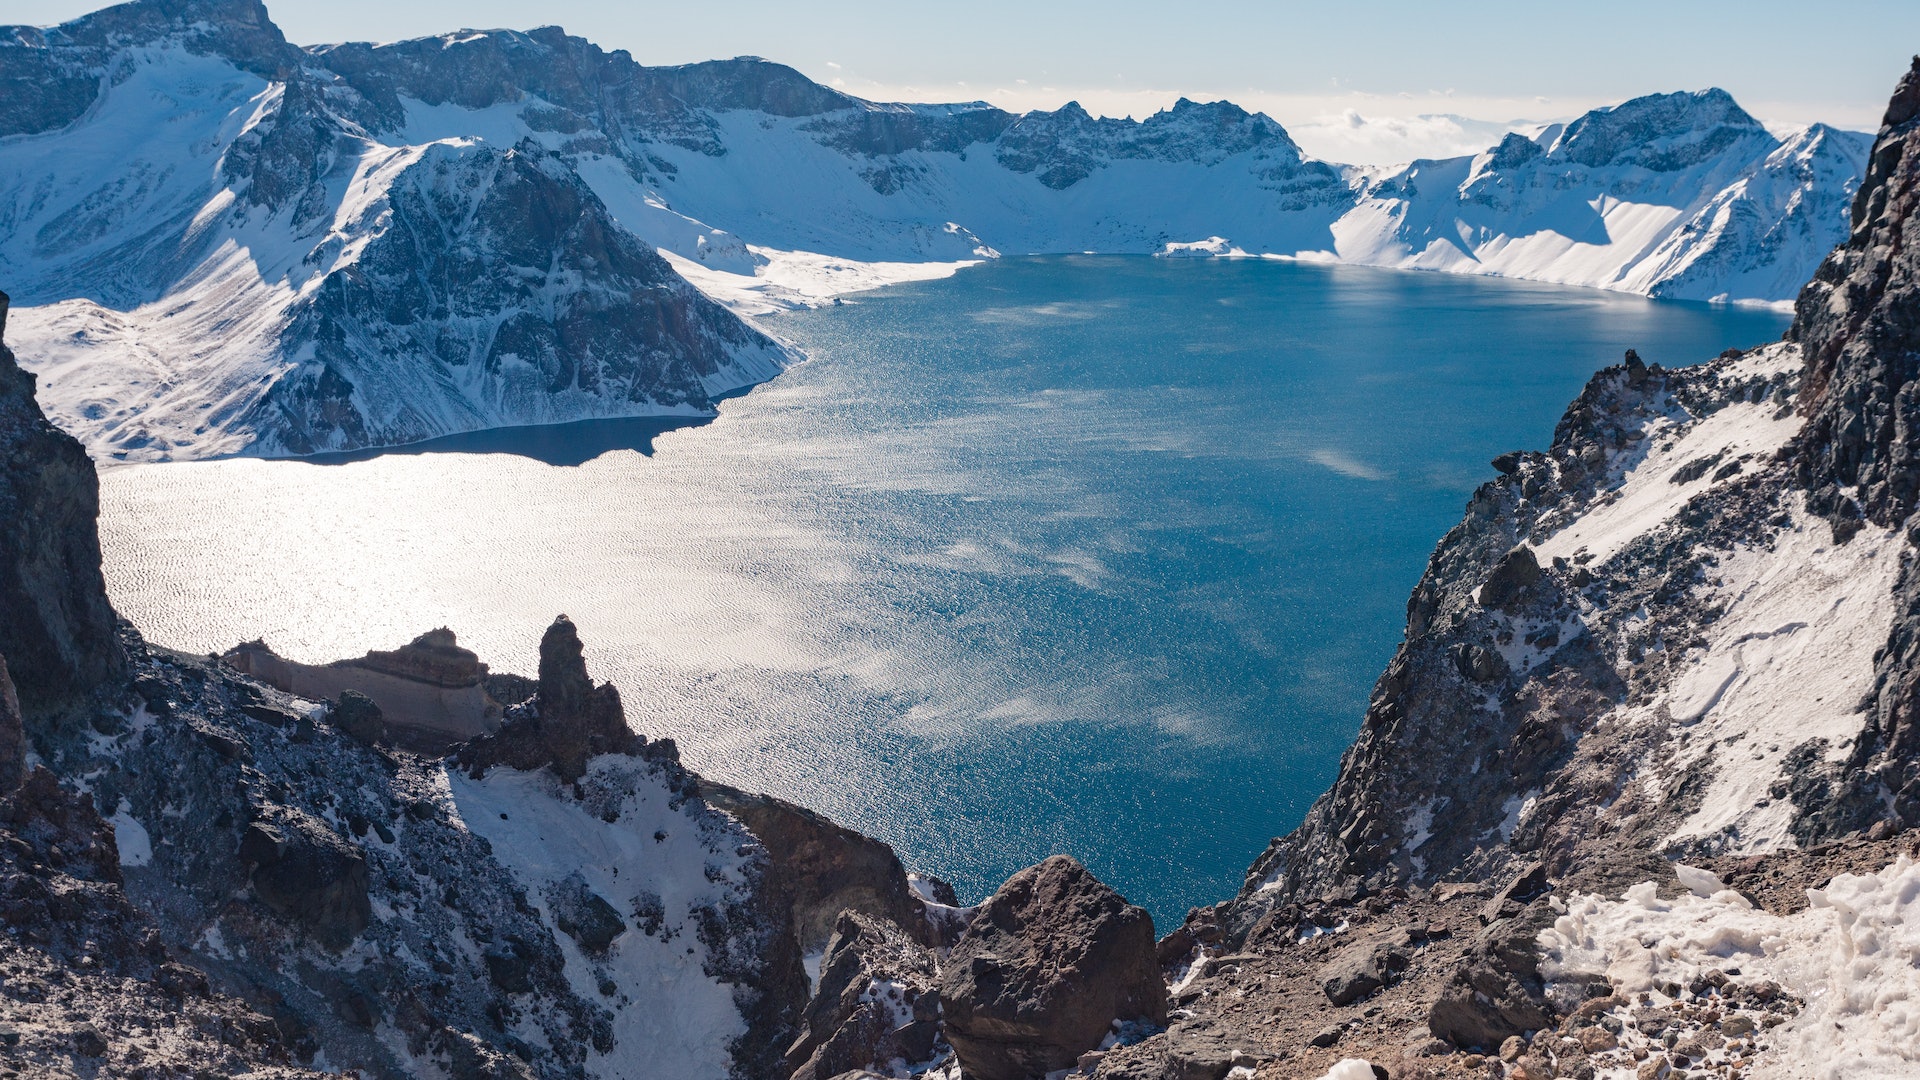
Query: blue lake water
{"points": [[1086, 555]]}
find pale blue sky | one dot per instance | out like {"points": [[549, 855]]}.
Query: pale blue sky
{"points": [[1343, 77]]}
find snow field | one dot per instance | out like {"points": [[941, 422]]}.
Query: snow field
{"points": [[672, 1021], [1850, 961]]}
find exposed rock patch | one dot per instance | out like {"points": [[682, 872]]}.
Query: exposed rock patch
{"points": [[825, 868], [306, 873], [876, 1003]]}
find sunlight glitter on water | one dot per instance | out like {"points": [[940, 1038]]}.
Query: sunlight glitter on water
{"points": [[1085, 555]]}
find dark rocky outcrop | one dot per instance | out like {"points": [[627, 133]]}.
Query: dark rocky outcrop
{"points": [[1858, 322], [306, 873], [87, 975], [875, 1003], [58, 631], [1047, 965], [585, 916], [1360, 970], [357, 715], [569, 720], [1495, 992], [1511, 578]]}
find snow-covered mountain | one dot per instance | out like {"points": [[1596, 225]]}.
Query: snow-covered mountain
{"points": [[221, 243], [210, 261], [1681, 196]]}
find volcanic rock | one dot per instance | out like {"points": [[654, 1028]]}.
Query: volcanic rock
{"points": [[823, 867], [1510, 580], [584, 915], [1045, 967], [56, 627], [569, 721], [13, 745], [305, 872], [876, 1002], [1360, 970], [357, 715]]}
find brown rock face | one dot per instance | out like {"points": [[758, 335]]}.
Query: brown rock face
{"points": [[434, 657], [56, 627], [1048, 963], [825, 868], [571, 721]]}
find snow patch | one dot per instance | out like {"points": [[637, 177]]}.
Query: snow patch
{"points": [[1853, 957], [1790, 660], [656, 856], [1647, 496], [136, 847]]}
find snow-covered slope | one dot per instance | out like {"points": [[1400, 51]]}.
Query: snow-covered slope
{"points": [[1682, 196], [220, 243]]}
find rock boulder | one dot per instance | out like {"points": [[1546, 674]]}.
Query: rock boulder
{"points": [[876, 1002], [306, 873], [1045, 967]]}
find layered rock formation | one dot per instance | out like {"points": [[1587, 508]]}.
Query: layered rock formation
{"points": [[429, 694]]}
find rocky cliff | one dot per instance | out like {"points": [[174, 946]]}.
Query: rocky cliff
{"points": [[1634, 795], [59, 629], [1585, 647]]}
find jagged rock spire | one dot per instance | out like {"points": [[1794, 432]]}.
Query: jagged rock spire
{"points": [[1858, 321], [568, 722]]}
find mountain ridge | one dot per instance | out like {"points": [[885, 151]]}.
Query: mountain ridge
{"points": [[758, 186]]}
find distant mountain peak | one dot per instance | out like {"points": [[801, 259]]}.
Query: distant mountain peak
{"points": [[1661, 132]]}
